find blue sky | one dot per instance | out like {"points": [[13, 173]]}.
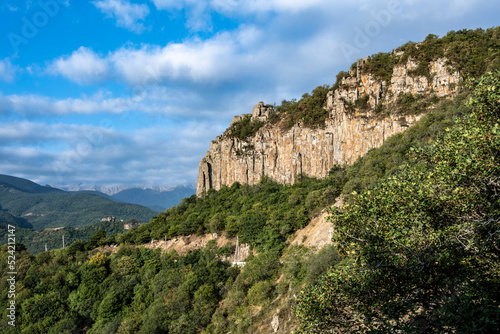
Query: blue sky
{"points": [[125, 92]]}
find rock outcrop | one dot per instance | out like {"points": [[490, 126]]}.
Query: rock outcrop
{"points": [[346, 135]]}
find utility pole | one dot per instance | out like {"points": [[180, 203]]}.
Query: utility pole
{"points": [[63, 242], [45, 247], [237, 253], [165, 243]]}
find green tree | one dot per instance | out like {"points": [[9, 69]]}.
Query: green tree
{"points": [[205, 302]]}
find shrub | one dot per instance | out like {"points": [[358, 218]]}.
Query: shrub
{"points": [[244, 128], [259, 293]]}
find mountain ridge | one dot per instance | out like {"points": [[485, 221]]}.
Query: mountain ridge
{"points": [[112, 190], [34, 206]]}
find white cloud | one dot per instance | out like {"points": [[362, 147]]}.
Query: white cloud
{"points": [[243, 55], [242, 6], [173, 4], [84, 66], [37, 104], [194, 61], [7, 70], [32, 133], [65, 153], [436, 10], [154, 101], [198, 61], [127, 15]]}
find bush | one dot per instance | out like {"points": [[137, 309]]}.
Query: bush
{"points": [[259, 293], [362, 102], [309, 109], [381, 65], [244, 128]]}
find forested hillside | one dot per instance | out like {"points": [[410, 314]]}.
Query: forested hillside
{"points": [[45, 207], [43, 215], [52, 238]]}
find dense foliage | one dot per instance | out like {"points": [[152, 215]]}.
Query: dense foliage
{"points": [[471, 52], [139, 290], [263, 215], [422, 247], [244, 128], [35, 241], [310, 109], [381, 65], [135, 290]]}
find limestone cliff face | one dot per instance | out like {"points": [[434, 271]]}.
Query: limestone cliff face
{"points": [[345, 136]]}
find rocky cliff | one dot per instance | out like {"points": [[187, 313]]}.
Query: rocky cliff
{"points": [[349, 131]]}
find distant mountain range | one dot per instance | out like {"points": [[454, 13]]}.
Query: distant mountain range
{"points": [[111, 190], [31, 205], [155, 198]]}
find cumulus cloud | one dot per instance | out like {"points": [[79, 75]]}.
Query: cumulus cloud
{"points": [[194, 61], [127, 15], [83, 66], [243, 55], [214, 59]]}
